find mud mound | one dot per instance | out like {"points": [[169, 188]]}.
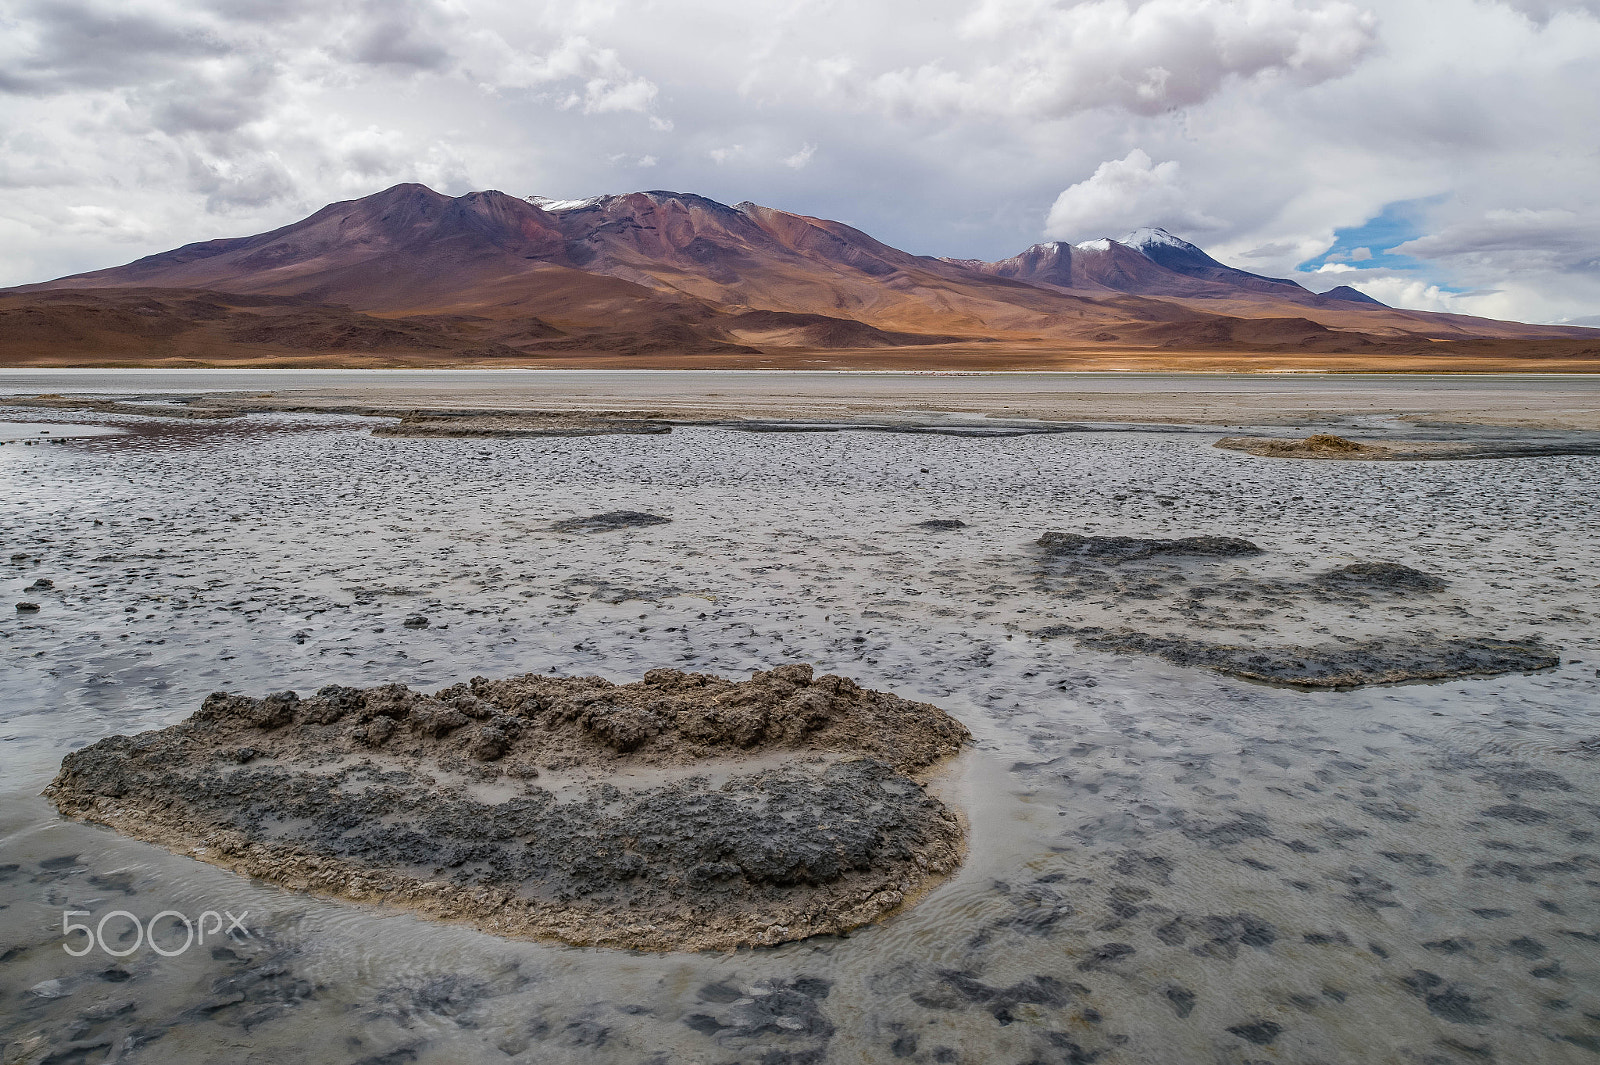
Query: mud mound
{"points": [[490, 425], [1113, 549], [1329, 442], [1381, 576], [683, 811], [1320, 445], [1337, 448], [1391, 660], [609, 521]]}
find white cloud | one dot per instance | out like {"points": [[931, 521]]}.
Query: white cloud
{"points": [[1412, 294], [601, 81], [1124, 194], [103, 222], [1150, 57], [799, 159]]}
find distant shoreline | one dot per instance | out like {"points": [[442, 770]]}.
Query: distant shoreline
{"points": [[1544, 402]]}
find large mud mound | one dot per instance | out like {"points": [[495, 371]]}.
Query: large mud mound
{"points": [[1113, 549], [1390, 660], [682, 811]]}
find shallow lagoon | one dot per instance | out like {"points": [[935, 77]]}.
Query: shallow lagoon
{"points": [[1167, 864]]}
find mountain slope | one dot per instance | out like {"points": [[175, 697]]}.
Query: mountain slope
{"points": [[664, 273]]}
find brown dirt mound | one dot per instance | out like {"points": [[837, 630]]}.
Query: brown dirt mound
{"points": [[1320, 445]]}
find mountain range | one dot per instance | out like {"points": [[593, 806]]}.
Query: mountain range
{"points": [[412, 276]]}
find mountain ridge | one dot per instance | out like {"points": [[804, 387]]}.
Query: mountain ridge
{"points": [[658, 273]]}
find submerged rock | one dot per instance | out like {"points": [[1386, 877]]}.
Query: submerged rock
{"points": [[1390, 660], [1064, 545], [942, 524], [611, 519], [682, 811]]}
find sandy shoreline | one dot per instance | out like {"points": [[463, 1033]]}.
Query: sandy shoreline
{"points": [[1543, 402]]}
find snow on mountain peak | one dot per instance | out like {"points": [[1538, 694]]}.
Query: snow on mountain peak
{"points": [[546, 203], [1152, 236], [1102, 244]]}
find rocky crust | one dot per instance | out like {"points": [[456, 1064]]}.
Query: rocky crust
{"points": [[610, 521], [1381, 576], [1327, 446], [511, 426], [684, 811], [1391, 660], [111, 406], [1112, 549]]}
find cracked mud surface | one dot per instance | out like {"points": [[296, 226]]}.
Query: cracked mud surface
{"points": [[1166, 863]]}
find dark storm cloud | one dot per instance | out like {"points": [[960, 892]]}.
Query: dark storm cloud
{"points": [[262, 11], [1542, 11], [216, 100], [1528, 240], [399, 33], [61, 46]]}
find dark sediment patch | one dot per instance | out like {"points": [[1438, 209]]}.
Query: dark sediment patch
{"points": [[990, 429], [113, 406], [1113, 549], [1390, 660], [684, 811], [942, 524], [510, 426], [609, 521], [1381, 576], [1337, 448]]}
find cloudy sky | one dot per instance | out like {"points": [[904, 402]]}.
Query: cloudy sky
{"points": [[1440, 154]]}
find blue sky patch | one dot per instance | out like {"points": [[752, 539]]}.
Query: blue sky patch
{"points": [[1365, 247]]}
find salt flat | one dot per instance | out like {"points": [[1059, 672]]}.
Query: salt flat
{"points": [[1555, 401], [1167, 863]]}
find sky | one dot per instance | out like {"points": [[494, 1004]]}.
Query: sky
{"points": [[1435, 154]]}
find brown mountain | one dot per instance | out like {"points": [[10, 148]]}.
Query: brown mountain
{"points": [[411, 275]]}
